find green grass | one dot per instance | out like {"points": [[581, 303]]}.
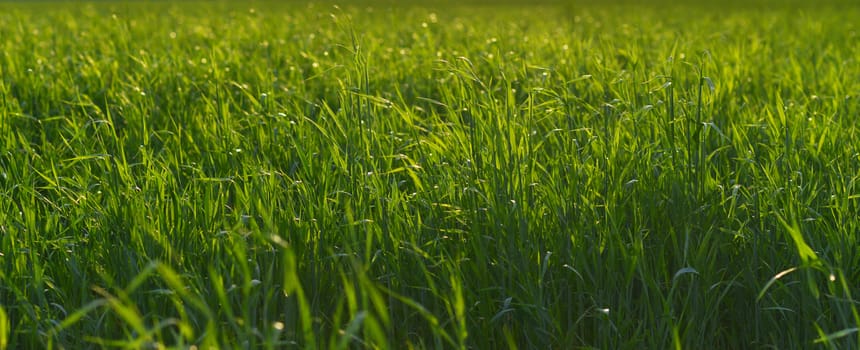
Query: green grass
{"points": [[464, 176]]}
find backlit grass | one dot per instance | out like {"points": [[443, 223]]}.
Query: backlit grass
{"points": [[459, 176]]}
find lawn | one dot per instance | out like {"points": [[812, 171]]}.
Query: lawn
{"points": [[610, 175]]}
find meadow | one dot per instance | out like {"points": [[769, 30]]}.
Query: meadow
{"points": [[619, 175]]}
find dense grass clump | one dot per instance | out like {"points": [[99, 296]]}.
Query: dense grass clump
{"points": [[469, 176]]}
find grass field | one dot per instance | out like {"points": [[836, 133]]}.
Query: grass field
{"points": [[616, 176]]}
